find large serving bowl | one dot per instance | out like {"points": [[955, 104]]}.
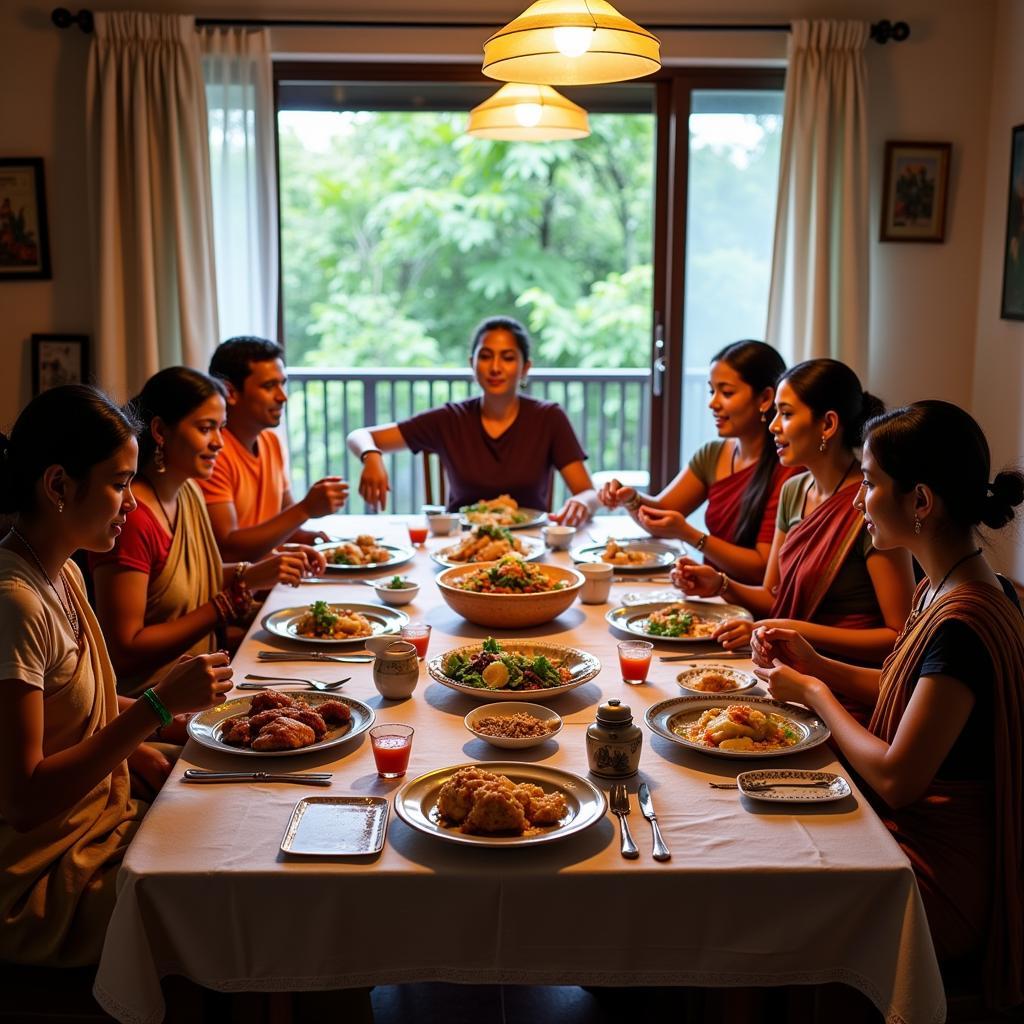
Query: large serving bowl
{"points": [[509, 611]]}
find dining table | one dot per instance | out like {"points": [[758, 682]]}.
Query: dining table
{"points": [[754, 893]]}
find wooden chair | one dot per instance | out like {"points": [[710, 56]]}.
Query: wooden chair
{"points": [[428, 485]]}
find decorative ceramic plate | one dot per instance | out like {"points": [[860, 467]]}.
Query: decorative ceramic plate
{"points": [[794, 787], [416, 804], [206, 727], [398, 554], [669, 718], [527, 517], [655, 555], [336, 826], [730, 679], [582, 666], [633, 618], [383, 621], [534, 550]]}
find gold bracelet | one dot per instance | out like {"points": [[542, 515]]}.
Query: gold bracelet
{"points": [[699, 546], [725, 585]]}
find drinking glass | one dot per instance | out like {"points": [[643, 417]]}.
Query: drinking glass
{"points": [[418, 634], [392, 745], [417, 532], [635, 660]]}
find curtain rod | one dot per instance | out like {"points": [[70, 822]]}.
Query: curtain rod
{"points": [[881, 31]]}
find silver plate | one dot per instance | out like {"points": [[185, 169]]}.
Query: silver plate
{"points": [[838, 788], [582, 665], [659, 556], [534, 551], [206, 727], [336, 826], [632, 618], [694, 673], [534, 517], [400, 554], [416, 803], [684, 710], [384, 622]]}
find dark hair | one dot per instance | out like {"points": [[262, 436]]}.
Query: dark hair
{"points": [[938, 444], [75, 426], [759, 366], [502, 323], [827, 385], [171, 394], [232, 360]]}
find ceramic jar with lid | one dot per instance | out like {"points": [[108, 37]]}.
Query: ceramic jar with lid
{"points": [[614, 742], [396, 669]]}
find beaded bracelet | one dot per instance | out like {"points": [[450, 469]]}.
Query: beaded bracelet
{"points": [[725, 585], [150, 697], [239, 593], [222, 605], [633, 503]]}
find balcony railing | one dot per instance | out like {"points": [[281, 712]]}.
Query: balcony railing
{"points": [[609, 410]]}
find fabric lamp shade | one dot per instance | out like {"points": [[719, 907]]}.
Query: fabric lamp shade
{"points": [[571, 42], [528, 113]]}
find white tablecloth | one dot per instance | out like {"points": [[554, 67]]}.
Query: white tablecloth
{"points": [[753, 895]]}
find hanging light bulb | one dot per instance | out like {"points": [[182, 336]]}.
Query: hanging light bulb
{"points": [[571, 42], [528, 113]]}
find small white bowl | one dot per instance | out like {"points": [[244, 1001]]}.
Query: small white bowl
{"points": [[694, 674], [558, 537], [396, 597], [505, 710]]}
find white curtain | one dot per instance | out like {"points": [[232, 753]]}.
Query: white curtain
{"points": [[240, 101], [818, 302], [149, 178]]}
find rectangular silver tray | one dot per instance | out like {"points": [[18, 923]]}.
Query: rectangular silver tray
{"points": [[336, 826]]}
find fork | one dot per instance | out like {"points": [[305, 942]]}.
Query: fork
{"points": [[620, 808], [316, 684]]}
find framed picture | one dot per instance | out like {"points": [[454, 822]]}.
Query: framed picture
{"points": [[24, 240], [59, 359], [1013, 265], [914, 196]]}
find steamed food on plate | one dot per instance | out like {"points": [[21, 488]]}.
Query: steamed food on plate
{"points": [[277, 721], [364, 550], [322, 622], [482, 802], [739, 727], [494, 668], [677, 620], [485, 544], [500, 511], [615, 554], [710, 682], [510, 575]]}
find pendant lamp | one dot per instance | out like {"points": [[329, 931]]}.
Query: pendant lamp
{"points": [[528, 113], [571, 42]]}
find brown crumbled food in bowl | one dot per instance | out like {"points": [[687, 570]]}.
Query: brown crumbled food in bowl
{"points": [[515, 727]]}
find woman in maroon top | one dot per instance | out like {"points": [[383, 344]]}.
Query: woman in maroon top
{"points": [[738, 475], [499, 443]]}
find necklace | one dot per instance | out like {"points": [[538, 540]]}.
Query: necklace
{"points": [[159, 501], [931, 595], [69, 608], [835, 490]]}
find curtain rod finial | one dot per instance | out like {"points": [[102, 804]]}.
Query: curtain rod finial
{"points": [[883, 31], [63, 18]]}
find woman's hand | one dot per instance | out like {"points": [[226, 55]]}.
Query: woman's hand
{"points": [[149, 769], [613, 494], [785, 683], [772, 642], [663, 522], [174, 732], [373, 481], [695, 579], [195, 682], [572, 513], [733, 633], [288, 564]]}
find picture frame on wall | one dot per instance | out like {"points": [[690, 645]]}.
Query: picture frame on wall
{"points": [[59, 359], [916, 190], [24, 234], [1013, 253]]}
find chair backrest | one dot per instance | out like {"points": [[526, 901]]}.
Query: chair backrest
{"points": [[428, 484]]}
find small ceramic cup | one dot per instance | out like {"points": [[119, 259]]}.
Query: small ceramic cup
{"points": [[597, 583], [442, 523], [558, 537], [396, 670]]}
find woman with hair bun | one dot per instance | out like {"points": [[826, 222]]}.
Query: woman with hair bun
{"points": [[738, 474], [943, 750], [67, 741], [823, 578]]}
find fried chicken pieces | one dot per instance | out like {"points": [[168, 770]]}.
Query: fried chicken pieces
{"points": [[481, 801], [278, 721]]}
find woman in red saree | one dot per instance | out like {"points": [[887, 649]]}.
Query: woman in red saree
{"points": [[943, 750], [737, 474], [824, 577]]}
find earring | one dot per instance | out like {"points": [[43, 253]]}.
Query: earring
{"points": [[60, 504], [158, 459], [764, 415], [524, 384], [823, 445], [917, 525]]}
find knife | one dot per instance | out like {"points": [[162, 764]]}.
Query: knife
{"points": [[313, 656], [716, 655], [308, 778], [661, 851]]}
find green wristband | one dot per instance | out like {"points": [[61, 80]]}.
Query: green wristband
{"points": [[150, 697]]}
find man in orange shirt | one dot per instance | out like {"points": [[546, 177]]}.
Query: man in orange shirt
{"points": [[248, 496]]}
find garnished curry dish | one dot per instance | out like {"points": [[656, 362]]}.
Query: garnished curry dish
{"points": [[739, 727], [327, 622]]}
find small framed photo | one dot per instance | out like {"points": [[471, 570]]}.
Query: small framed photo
{"points": [[916, 187], [24, 239], [59, 359], [1013, 256]]}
